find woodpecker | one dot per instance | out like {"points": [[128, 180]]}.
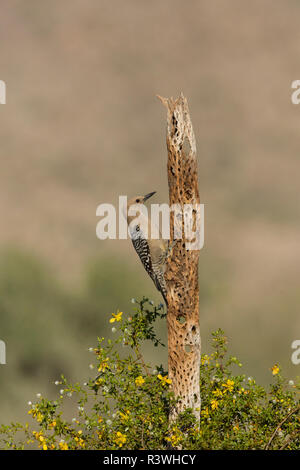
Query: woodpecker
{"points": [[152, 253]]}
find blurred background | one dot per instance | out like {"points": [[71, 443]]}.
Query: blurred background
{"points": [[82, 125]]}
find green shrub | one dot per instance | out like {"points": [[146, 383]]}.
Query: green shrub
{"points": [[127, 404]]}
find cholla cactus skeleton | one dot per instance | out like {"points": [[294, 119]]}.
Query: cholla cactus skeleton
{"points": [[181, 273], [172, 267]]}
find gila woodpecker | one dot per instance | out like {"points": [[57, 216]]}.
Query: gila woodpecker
{"points": [[152, 253]]}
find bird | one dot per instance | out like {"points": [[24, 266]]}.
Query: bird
{"points": [[153, 253]]}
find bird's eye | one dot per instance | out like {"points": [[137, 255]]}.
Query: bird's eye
{"points": [[137, 228], [137, 200]]}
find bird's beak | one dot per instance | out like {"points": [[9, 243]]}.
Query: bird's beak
{"points": [[148, 196]]}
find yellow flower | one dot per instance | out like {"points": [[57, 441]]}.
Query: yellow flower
{"points": [[165, 380], [205, 359], [52, 425], [45, 447], [214, 404], [63, 445], [218, 393], [81, 443], [275, 369], [124, 416], [79, 439], [38, 436], [205, 412], [116, 317], [120, 439], [36, 414], [103, 365], [228, 385], [175, 437], [139, 381]]}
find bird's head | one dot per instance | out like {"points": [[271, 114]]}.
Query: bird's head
{"points": [[140, 199], [135, 201]]}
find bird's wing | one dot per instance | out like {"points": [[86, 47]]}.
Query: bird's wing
{"points": [[142, 248]]}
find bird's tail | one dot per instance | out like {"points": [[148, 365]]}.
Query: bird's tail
{"points": [[160, 285]]}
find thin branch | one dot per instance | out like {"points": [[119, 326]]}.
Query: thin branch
{"points": [[140, 358], [280, 424], [289, 440]]}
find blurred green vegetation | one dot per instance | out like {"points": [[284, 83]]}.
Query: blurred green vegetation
{"points": [[48, 326], [128, 405]]}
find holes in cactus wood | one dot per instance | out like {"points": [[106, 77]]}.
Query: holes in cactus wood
{"points": [[186, 146], [181, 319], [188, 348]]}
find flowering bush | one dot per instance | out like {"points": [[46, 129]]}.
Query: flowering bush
{"points": [[127, 404]]}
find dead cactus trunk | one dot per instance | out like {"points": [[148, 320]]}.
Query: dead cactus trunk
{"points": [[182, 266]]}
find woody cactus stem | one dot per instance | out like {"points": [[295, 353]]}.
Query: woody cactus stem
{"points": [[182, 266]]}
